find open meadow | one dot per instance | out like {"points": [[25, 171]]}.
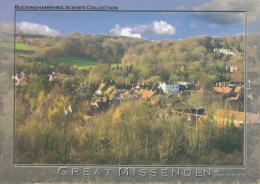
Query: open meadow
{"points": [[70, 61]]}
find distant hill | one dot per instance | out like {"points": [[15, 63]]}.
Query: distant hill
{"points": [[139, 59]]}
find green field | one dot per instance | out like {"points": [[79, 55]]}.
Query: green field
{"points": [[18, 46], [69, 61]]}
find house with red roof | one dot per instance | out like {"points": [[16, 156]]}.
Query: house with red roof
{"points": [[225, 116]]}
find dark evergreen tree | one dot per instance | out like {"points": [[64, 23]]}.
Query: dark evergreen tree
{"points": [[225, 45]]}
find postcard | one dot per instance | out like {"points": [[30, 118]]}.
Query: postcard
{"points": [[107, 93]]}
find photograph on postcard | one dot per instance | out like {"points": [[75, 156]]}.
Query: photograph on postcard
{"points": [[142, 88]]}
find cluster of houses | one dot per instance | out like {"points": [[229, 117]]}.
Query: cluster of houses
{"points": [[231, 68], [109, 94], [231, 91], [112, 38], [221, 116], [110, 90]]}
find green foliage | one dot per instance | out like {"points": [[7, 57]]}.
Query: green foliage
{"points": [[230, 140], [35, 85], [131, 134], [135, 57], [206, 81], [237, 47], [196, 66], [65, 84], [214, 78], [98, 73], [225, 45]]}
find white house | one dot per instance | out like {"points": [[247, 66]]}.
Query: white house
{"points": [[184, 83], [68, 111], [169, 87], [225, 51]]}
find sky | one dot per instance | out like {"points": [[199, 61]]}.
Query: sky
{"points": [[146, 25], [191, 19]]}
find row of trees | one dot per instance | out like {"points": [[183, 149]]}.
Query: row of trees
{"points": [[98, 47], [140, 60], [132, 134]]}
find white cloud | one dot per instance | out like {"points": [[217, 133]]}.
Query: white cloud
{"points": [[252, 6], [193, 25], [32, 28], [223, 18], [157, 28], [117, 30]]}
